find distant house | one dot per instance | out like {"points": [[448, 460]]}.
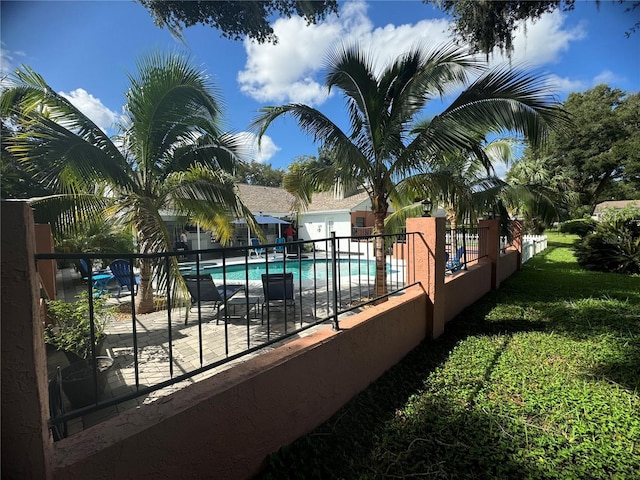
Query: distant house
{"points": [[345, 214], [269, 202], [616, 204]]}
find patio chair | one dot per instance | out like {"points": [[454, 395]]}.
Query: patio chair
{"points": [[257, 250], [456, 264], [279, 248], [278, 292], [121, 269], [83, 268], [210, 293]]}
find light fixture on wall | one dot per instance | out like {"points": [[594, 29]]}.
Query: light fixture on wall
{"points": [[426, 207]]}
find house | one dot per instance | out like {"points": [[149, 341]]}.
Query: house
{"points": [[615, 204], [345, 214]]}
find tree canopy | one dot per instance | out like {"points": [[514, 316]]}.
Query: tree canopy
{"points": [[484, 25], [256, 173], [235, 19], [600, 155]]}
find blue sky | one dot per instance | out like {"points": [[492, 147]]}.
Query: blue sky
{"points": [[85, 50]]}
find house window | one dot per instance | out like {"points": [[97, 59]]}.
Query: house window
{"points": [[359, 221]]}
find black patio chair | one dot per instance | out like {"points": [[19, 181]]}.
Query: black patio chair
{"points": [[278, 292], [209, 293]]}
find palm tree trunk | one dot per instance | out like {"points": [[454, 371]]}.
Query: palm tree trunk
{"points": [[453, 224], [381, 271], [144, 298]]}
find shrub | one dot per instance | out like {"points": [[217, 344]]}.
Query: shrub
{"points": [[578, 226], [71, 327], [615, 245]]}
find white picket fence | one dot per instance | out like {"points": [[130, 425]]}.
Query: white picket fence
{"points": [[532, 245]]}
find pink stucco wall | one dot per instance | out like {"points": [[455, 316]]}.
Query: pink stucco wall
{"points": [[508, 264], [465, 287], [46, 268], [225, 426], [26, 443]]}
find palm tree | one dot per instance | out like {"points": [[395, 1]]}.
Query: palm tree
{"points": [[170, 155], [459, 182], [382, 105], [547, 184]]}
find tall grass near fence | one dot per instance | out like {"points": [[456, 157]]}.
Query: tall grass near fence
{"points": [[540, 379]]}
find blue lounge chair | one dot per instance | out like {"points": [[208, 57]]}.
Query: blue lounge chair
{"points": [[257, 250], [83, 268], [99, 277], [121, 269], [456, 264], [280, 246]]}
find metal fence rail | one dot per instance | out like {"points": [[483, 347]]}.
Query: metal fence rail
{"points": [[465, 245], [332, 277]]}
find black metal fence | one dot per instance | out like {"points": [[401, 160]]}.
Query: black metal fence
{"points": [[464, 245], [168, 348]]}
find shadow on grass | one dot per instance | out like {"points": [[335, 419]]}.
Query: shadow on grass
{"points": [[392, 430]]}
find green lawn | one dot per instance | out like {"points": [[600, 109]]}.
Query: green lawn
{"points": [[540, 379]]}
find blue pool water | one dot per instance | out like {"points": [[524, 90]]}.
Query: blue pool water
{"points": [[309, 269]]}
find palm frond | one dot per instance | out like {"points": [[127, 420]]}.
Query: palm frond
{"points": [[303, 180], [507, 99], [397, 220], [170, 103], [70, 214], [55, 138], [209, 197]]}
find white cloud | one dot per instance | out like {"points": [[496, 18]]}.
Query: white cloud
{"points": [[565, 85], [93, 108], [267, 149], [607, 77], [543, 41], [251, 150], [284, 72], [290, 70], [8, 60]]}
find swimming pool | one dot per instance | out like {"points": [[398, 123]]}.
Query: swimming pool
{"points": [[309, 269]]}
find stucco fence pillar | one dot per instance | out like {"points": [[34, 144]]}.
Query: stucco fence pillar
{"points": [[516, 231], [26, 441], [427, 267]]}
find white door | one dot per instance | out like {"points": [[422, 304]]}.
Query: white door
{"points": [[329, 226]]}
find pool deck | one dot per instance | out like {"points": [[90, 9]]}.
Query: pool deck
{"points": [[168, 347]]}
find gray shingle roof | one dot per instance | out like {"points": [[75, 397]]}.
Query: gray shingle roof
{"points": [[265, 199], [277, 200], [615, 204], [326, 201]]}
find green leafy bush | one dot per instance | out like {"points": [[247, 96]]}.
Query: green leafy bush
{"points": [[615, 245], [71, 327], [579, 226]]}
